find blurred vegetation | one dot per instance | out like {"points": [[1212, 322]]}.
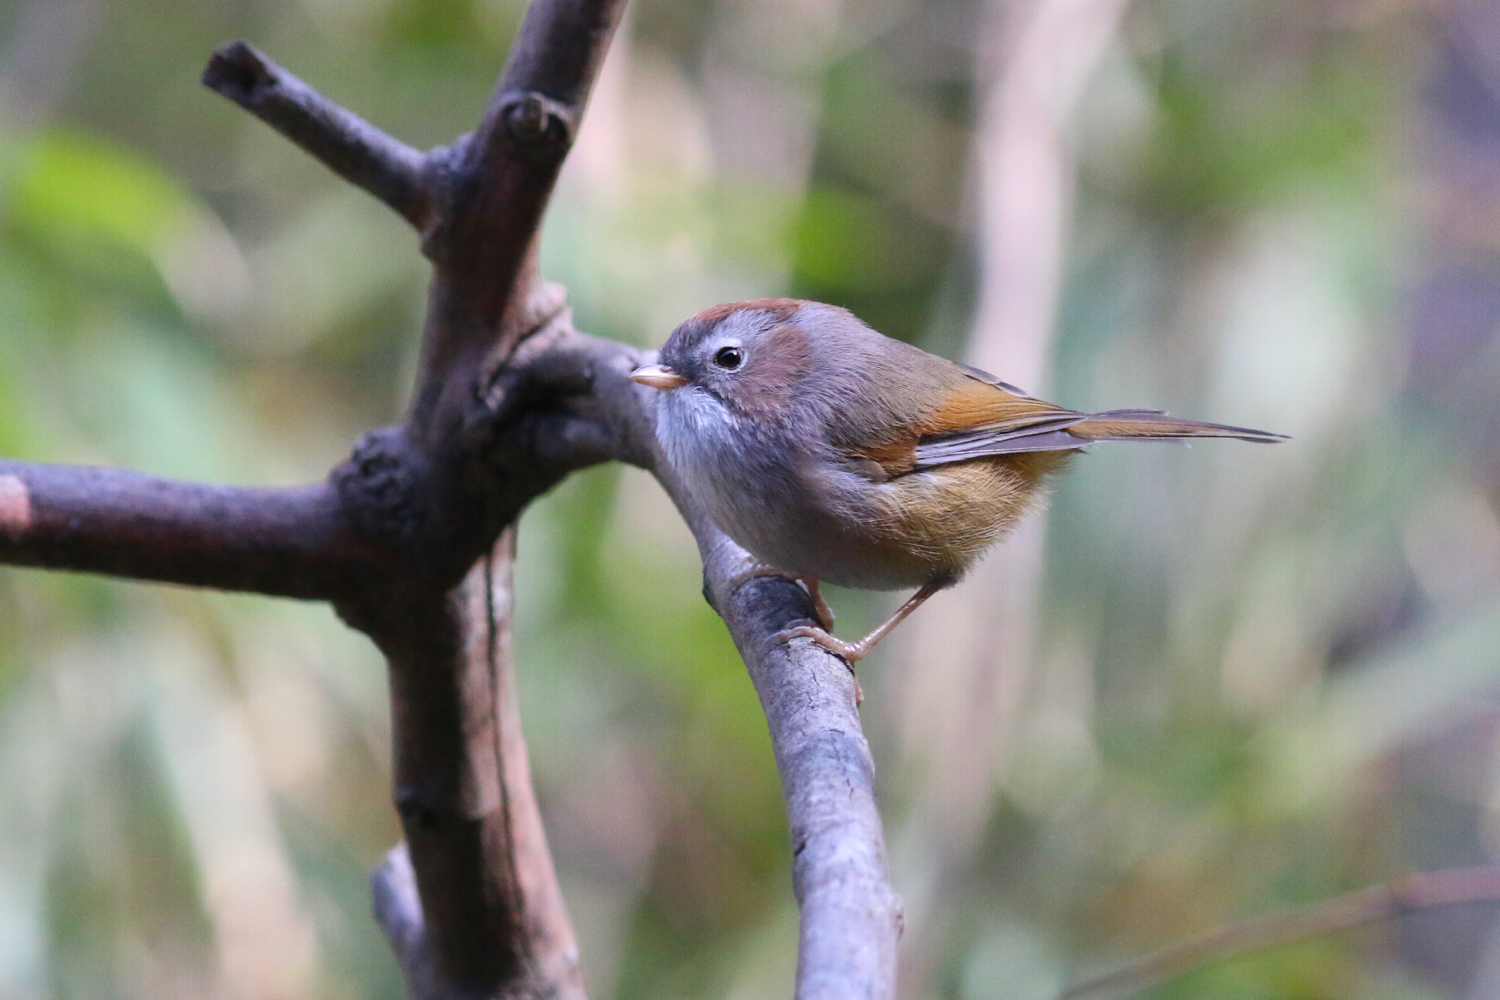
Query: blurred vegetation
{"points": [[1262, 675]]}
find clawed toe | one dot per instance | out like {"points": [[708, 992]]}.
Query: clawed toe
{"points": [[852, 652]]}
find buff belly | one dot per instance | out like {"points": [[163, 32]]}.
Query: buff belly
{"points": [[900, 534]]}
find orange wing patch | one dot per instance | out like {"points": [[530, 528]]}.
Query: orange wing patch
{"points": [[972, 405]]}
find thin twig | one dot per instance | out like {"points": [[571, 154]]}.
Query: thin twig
{"points": [[1422, 891], [345, 143], [398, 911]]}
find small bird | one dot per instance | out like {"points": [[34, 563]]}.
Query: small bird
{"points": [[834, 453]]}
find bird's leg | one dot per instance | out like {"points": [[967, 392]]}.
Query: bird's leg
{"points": [[825, 613], [853, 652], [809, 583]]}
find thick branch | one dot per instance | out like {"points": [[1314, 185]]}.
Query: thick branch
{"points": [[483, 299], [1423, 891], [345, 143], [293, 542], [491, 920], [444, 485]]}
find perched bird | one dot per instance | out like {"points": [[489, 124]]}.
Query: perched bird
{"points": [[834, 453]]}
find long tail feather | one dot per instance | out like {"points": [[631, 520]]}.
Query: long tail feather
{"points": [[1125, 425]]}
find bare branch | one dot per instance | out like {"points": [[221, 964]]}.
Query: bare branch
{"points": [[1422, 891], [345, 143], [491, 918], [398, 911], [509, 399], [441, 488], [293, 542], [851, 917], [484, 247]]}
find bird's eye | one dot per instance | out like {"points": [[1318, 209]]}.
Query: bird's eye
{"points": [[729, 358]]}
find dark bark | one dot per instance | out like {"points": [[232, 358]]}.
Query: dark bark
{"points": [[491, 909], [437, 492], [294, 542], [347, 144]]}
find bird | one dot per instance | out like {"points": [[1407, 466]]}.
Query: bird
{"points": [[835, 454]]}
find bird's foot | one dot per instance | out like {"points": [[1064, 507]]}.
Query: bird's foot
{"points": [[853, 652], [850, 652]]}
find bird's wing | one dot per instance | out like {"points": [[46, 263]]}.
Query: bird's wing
{"points": [[983, 417], [978, 416], [1064, 433]]}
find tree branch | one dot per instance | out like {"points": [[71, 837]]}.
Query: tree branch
{"points": [[491, 910], [293, 542], [486, 294], [1422, 891], [851, 917], [440, 489], [342, 141]]}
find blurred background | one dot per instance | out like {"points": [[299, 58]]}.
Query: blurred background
{"points": [[1208, 684]]}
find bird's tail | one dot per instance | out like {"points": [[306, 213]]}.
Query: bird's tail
{"points": [[1126, 425]]}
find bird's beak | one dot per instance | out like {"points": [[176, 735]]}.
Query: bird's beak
{"points": [[658, 377]]}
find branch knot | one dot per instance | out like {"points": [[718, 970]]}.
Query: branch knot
{"points": [[538, 122], [379, 483]]}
